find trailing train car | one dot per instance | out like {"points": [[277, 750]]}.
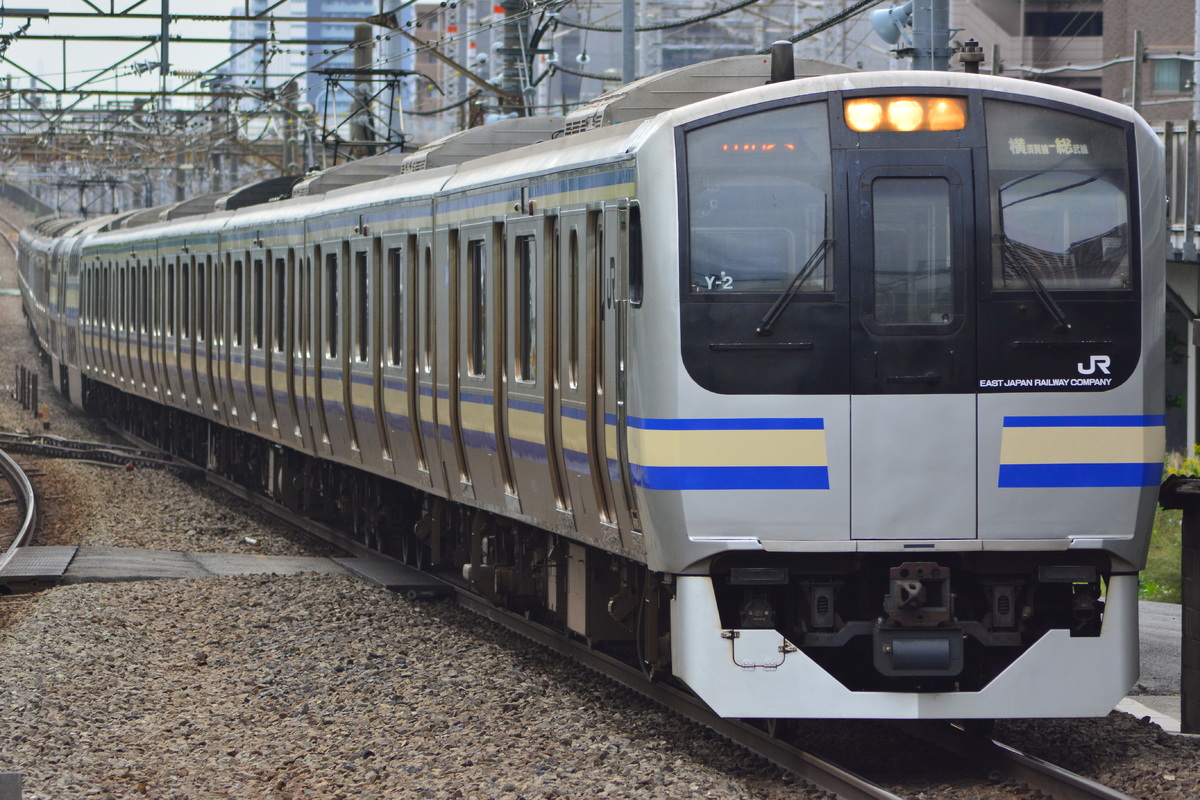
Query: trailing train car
{"points": [[838, 396]]}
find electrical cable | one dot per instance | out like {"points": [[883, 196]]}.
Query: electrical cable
{"points": [[829, 22], [662, 26]]}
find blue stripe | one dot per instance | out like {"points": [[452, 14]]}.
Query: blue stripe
{"points": [[577, 461], [675, 479], [482, 399], [534, 452], [479, 440], [754, 423], [1014, 476], [750, 424], [1100, 421], [525, 405]]}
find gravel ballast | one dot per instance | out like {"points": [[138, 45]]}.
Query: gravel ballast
{"points": [[322, 686]]}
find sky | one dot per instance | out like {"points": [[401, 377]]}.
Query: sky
{"points": [[84, 58]]}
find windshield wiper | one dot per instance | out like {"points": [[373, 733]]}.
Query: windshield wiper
{"points": [[767, 323], [1020, 263]]}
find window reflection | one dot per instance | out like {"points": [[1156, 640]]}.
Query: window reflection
{"points": [[1060, 205], [913, 277], [758, 189]]}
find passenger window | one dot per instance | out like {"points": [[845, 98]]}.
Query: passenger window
{"points": [[172, 298], [144, 308], [913, 274], [331, 305], [185, 300], [239, 287], [396, 305], [427, 344], [259, 302], [758, 191], [526, 308], [1060, 200], [573, 303], [202, 272], [279, 305], [477, 310], [362, 289]]}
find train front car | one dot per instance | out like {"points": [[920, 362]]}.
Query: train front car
{"points": [[908, 462]]}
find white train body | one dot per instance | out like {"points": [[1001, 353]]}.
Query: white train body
{"points": [[829, 420]]}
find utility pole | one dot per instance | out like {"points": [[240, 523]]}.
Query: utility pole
{"points": [[628, 41], [291, 150], [164, 41], [513, 100], [361, 130], [931, 35], [180, 189]]}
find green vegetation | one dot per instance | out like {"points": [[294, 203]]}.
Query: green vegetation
{"points": [[1160, 579]]}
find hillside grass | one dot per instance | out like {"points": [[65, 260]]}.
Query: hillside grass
{"points": [[1160, 580]]}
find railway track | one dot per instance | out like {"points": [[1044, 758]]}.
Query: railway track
{"points": [[990, 757], [1024, 772], [17, 528], [986, 757]]}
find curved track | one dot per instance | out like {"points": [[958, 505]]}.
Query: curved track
{"points": [[22, 490]]}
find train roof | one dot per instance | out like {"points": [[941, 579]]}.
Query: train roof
{"points": [[655, 94]]}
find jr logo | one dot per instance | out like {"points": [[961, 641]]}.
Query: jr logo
{"points": [[1101, 362]]}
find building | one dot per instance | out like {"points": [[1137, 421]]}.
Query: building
{"points": [[1049, 40]]}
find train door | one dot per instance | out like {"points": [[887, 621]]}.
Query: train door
{"points": [[276, 346], [362, 352], [185, 332], [303, 304], [426, 415], [553, 389], [157, 338], [172, 336], [128, 275], [613, 320], [480, 389], [255, 344], [410, 298], [222, 311], [393, 390], [206, 332], [293, 358], [326, 296], [912, 251], [137, 321], [379, 351], [108, 279], [568, 405], [522, 399], [146, 360]]}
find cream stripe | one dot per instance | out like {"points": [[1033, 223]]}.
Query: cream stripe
{"points": [[771, 448], [1082, 445], [528, 426]]}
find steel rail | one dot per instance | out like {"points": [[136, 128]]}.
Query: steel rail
{"points": [[23, 488], [1052, 780], [16, 476], [822, 774], [1048, 779], [58, 447]]}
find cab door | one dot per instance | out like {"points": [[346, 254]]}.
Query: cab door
{"points": [[913, 251]]}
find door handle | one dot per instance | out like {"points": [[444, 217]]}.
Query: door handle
{"points": [[929, 378]]}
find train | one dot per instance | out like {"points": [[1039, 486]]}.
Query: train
{"points": [[825, 394]]}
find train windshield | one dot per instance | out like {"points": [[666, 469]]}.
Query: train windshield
{"points": [[758, 196], [1060, 200]]}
